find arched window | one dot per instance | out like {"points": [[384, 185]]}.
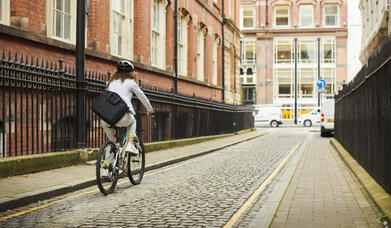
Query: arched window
{"points": [[241, 71], [249, 71]]}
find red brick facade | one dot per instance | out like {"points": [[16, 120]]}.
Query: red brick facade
{"points": [[28, 34]]}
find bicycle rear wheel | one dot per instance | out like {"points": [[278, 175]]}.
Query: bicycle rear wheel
{"points": [[106, 174], [136, 164]]}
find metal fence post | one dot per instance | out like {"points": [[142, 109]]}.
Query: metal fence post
{"points": [[80, 77]]}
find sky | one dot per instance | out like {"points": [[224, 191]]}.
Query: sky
{"points": [[354, 38]]}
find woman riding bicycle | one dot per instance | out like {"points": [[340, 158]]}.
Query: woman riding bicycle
{"points": [[123, 82]]}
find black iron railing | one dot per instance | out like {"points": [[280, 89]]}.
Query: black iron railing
{"points": [[38, 109], [363, 116]]}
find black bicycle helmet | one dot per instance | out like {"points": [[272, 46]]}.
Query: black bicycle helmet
{"points": [[125, 66]]}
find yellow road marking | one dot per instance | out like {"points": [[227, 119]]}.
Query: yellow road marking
{"points": [[45, 205], [120, 182], [259, 190]]}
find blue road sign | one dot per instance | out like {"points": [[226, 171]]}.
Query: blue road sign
{"points": [[321, 83]]}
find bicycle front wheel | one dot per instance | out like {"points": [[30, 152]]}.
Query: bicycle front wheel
{"points": [[106, 173], [136, 165]]}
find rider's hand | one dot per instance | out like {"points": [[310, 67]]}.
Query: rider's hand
{"points": [[150, 113]]}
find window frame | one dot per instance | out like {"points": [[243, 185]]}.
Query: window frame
{"points": [[244, 55], [158, 34], [126, 34], [200, 54], [182, 46], [242, 17], [312, 16], [324, 16], [5, 12], [51, 22], [275, 17], [215, 52]]}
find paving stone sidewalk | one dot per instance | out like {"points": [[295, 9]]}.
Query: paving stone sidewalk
{"points": [[325, 193], [36, 186]]}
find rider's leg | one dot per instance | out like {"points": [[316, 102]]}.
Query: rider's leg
{"points": [[131, 133], [109, 131]]}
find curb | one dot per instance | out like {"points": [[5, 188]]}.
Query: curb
{"points": [[11, 204], [378, 194]]}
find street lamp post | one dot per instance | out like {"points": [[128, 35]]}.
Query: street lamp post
{"points": [[295, 80], [319, 69], [80, 78]]}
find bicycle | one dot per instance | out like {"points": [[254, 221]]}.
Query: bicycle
{"points": [[113, 160]]}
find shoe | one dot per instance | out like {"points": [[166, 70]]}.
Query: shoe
{"points": [[109, 157], [106, 174], [130, 148]]}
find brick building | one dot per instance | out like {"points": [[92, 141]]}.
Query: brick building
{"points": [[270, 28], [376, 26], [141, 31]]}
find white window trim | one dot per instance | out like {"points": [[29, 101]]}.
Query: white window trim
{"points": [[245, 43], [127, 34], [182, 46], [160, 54], [215, 61], [49, 20], [242, 17], [312, 16], [324, 16], [275, 17], [200, 53], [5, 20]]}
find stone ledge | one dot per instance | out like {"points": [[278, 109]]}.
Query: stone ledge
{"points": [[379, 195]]}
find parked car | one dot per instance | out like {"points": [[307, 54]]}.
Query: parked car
{"points": [[267, 115], [327, 118], [310, 119]]}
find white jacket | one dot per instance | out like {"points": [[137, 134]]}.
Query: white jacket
{"points": [[126, 89]]}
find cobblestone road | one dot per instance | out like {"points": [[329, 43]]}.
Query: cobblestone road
{"points": [[203, 192]]}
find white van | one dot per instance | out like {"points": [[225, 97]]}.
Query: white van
{"points": [[327, 118], [310, 119], [267, 115]]}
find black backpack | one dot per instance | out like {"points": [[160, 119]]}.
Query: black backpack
{"points": [[110, 107]]}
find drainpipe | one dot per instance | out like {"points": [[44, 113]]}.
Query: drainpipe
{"points": [[267, 12], [174, 107], [223, 59], [176, 48]]}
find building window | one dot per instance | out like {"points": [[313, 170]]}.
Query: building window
{"points": [[200, 54], [281, 16], [118, 19], [158, 25], [182, 46], [121, 41], [249, 95], [62, 19], [331, 15], [283, 52], [306, 16], [4, 12], [307, 51], [248, 52], [247, 20], [214, 60], [328, 55]]}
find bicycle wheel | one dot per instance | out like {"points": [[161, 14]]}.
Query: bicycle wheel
{"points": [[106, 174], [136, 164]]}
